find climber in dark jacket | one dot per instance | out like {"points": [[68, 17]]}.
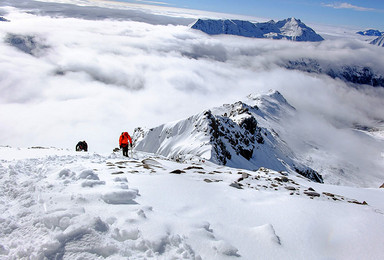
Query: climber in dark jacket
{"points": [[82, 146]]}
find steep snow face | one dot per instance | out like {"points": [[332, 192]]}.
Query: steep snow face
{"points": [[240, 135], [294, 29], [291, 29], [379, 41]]}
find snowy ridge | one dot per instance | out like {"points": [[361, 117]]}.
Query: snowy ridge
{"points": [[59, 204], [291, 29], [371, 32], [379, 41], [239, 135]]}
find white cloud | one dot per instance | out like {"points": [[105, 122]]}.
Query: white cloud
{"points": [[339, 5], [96, 78]]}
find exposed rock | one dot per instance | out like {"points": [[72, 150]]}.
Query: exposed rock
{"points": [[194, 168], [382, 186], [117, 172], [329, 194], [312, 193], [310, 174], [177, 172], [236, 185]]}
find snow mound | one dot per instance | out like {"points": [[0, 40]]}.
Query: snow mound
{"points": [[266, 233], [291, 29]]}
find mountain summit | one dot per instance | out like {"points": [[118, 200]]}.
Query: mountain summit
{"points": [[291, 29]]}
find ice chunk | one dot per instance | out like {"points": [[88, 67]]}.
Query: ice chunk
{"points": [[89, 175], [120, 197]]}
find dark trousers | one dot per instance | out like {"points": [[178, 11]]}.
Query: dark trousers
{"points": [[125, 150]]}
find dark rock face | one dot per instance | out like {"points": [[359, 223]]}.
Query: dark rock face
{"points": [[239, 137], [310, 174]]}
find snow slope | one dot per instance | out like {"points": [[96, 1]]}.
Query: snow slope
{"points": [[291, 29], [57, 204]]}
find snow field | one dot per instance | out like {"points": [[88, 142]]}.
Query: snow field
{"points": [[67, 205]]}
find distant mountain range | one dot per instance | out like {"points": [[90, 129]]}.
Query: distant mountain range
{"points": [[371, 32], [240, 135], [349, 73], [290, 29], [2, 19], [379, 41]]}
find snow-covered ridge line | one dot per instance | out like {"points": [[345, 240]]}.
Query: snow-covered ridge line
{"points": [[239, 135], [371, 32], [290, 29], [379, 41]]}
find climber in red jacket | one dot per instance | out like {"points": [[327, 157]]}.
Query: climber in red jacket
{"points": [[124, 140]]}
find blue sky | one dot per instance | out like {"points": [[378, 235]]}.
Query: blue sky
{"points": [[361, 14]]}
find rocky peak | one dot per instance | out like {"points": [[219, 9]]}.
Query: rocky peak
{"points": [[230, 135]]}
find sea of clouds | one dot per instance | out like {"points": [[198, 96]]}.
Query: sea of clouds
{"points": [[70, 73]]}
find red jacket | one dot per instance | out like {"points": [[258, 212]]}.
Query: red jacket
{"points": [[124, 138]]}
